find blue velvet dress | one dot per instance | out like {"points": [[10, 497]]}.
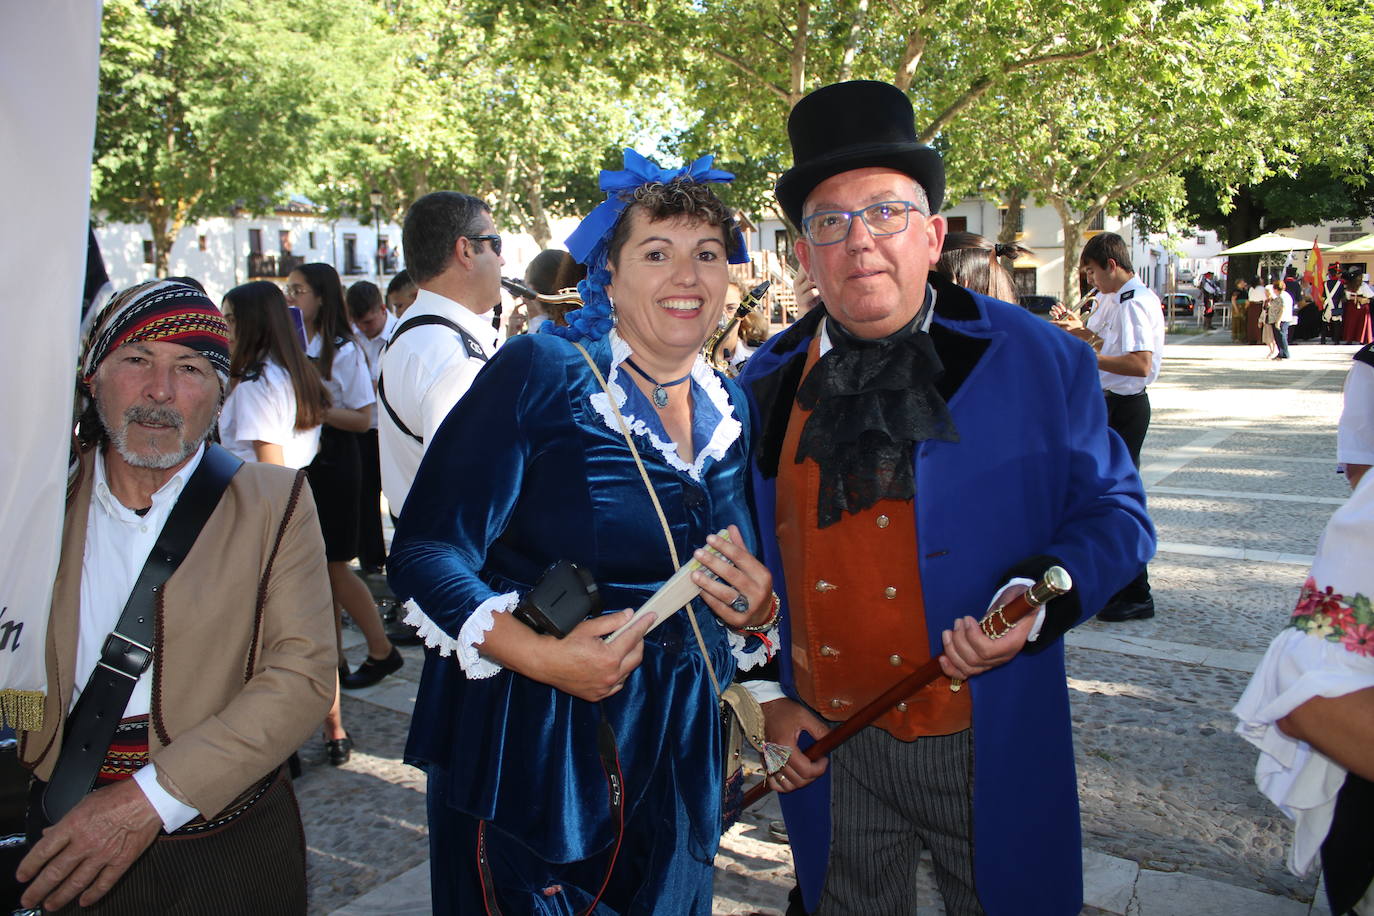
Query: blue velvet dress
{"points": [[528, 469]]}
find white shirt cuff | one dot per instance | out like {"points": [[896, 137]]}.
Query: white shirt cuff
{"points": [[764, 691], [174, 813], [1040, 615]]}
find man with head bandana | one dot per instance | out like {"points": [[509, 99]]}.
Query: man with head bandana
{"points": [[920, 451], [174, 700]]}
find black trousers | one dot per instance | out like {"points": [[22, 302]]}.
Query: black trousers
{"points": [[371, 546], [1129, 416]]}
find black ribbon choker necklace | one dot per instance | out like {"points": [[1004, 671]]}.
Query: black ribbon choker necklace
{"points": [[659, 397]]}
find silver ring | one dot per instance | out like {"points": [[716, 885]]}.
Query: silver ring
{"points": [[740, 603]]}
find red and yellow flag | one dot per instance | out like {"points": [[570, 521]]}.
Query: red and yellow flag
{"points": [[1315, 275]]}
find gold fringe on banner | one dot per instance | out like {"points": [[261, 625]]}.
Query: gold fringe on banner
{"points": [[22, 709]]}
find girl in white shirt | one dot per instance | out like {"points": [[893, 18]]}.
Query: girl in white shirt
{"points": [[336, 472], [276, 401]]}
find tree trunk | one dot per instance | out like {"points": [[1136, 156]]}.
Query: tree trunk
{"points": [[539, 218], [1245, 221], [1011, 224], [1073, 249], [161, 224], [796, 85], [851, 46]]}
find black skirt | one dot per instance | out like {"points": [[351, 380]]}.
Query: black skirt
{"points": [[335, 479]]}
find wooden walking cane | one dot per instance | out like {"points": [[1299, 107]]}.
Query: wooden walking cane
{"points": [[998, 621]]}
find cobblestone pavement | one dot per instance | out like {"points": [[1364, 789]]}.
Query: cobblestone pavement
{"points": [[1240, 469]]}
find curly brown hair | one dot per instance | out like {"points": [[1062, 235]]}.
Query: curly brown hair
{"points": [[677, 198]]}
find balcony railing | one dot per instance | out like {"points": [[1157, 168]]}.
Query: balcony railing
{"points": [[271, 265]]}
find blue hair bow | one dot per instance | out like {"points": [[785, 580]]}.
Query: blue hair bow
{"points": [[589, 241]]}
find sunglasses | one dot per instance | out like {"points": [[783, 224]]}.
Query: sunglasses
{"points": [[494, 239]]}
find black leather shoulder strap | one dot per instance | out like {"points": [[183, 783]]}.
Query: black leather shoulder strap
{"points": [[128, 650], [471, 348]]}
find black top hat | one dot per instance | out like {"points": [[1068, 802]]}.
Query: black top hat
{"points": [[855, 125]]}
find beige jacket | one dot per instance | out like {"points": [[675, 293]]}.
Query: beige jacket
{"points": [[244, 645]]}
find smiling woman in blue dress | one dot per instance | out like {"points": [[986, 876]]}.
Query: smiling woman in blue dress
{"points": [[531, 468]]}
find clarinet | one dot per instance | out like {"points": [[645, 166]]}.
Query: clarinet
{"points": [[712, 350]]}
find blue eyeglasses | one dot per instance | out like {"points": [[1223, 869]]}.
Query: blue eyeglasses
{"points": [[888, 217]]}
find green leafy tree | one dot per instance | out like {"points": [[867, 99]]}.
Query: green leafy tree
{"points": [[203, 105], [1098, 138], [455, 103], [1325, 134], [745, 63]]}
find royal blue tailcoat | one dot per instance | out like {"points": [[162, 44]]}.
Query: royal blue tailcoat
{"points": [[1035, 477], [522, 473]]}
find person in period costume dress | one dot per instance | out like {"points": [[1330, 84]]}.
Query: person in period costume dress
{"points": [[1358, 297], [920, 449], [179, 805], [1309, 709], [508, 730]]}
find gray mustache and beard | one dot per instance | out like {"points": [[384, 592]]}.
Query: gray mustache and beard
{"points": [[150, 456]]}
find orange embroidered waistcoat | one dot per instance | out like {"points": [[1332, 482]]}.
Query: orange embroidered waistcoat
{"points": [[854, 602]]}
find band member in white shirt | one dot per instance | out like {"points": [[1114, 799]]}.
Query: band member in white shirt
{"points": [[1126, 328]]}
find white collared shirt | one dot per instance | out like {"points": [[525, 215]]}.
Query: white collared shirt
{"points": [[372, 349], [425, 373], [263, 409], [1128, 321], [118, 542], [1355, 433], [349, 383]]}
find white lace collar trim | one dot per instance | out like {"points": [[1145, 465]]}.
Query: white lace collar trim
{"points": [[726, 432]]}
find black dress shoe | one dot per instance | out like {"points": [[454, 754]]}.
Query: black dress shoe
{"points": [[339, 750], [373, 670], [1127, 610]]}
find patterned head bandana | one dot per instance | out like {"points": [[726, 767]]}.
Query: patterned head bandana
{"points": [[590, 240], [159, 310]]}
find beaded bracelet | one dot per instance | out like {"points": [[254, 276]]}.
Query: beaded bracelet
{"points": [[767, 624]]}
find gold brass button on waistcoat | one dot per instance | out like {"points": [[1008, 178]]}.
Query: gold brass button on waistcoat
{"points": [[895, 660], [889, 593], [837, 703], [901, 707], [829, 651], [883, 521], [824, 586]]}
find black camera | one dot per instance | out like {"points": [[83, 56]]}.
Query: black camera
{"points": [[562, 598]]}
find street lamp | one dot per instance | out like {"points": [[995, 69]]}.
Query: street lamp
{"points": [[376, 197]]}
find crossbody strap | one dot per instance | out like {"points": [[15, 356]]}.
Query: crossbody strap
{"points": [[472, 348], [662, 519], [128, 650]]}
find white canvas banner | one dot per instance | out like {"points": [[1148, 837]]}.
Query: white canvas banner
{"points": [[49, 77]]}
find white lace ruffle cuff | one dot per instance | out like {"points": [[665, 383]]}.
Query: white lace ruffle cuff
{"points": [[745, 659], [472, 635]]}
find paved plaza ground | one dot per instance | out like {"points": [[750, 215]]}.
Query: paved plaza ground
{"points": [[1240, 469]]}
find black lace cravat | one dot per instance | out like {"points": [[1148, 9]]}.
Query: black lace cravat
{"points": [[871, 401]]}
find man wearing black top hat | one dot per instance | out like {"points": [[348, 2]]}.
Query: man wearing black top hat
{"points": [[922, 452]]}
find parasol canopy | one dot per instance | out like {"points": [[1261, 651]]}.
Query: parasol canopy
{"points": [[1270, 243], [1363, 243]]}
